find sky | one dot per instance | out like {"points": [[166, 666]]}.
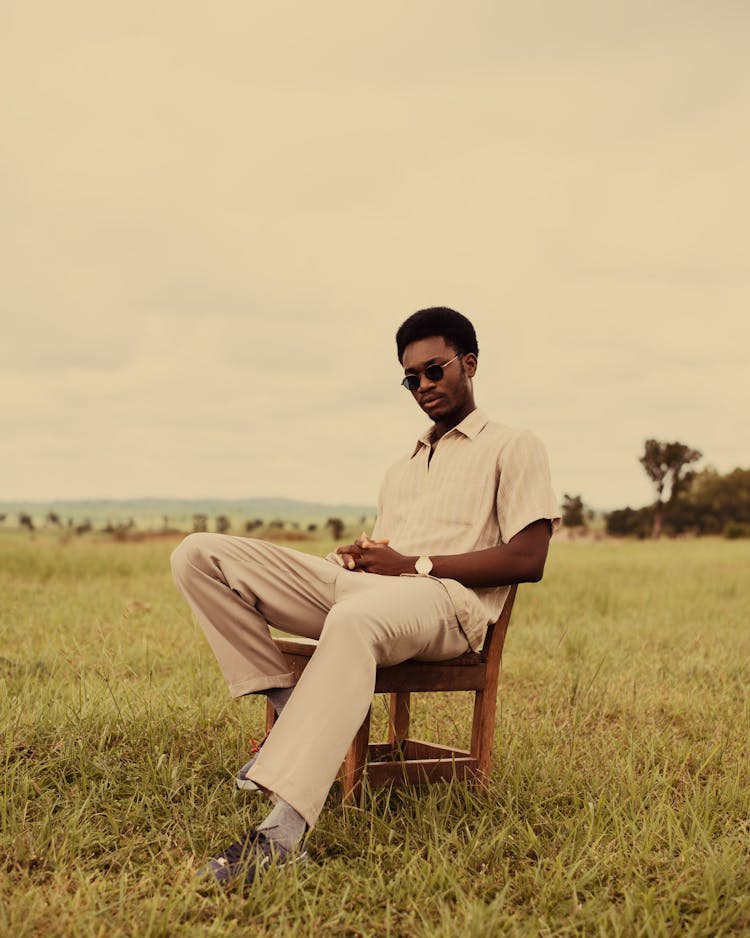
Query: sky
{"points": [[214, 217]]}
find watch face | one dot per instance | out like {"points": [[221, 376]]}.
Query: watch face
{"points": [[423, 566]]}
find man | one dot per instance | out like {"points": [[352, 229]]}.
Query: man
{"points": [[469, 511]]}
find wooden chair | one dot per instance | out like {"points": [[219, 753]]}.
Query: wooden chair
{"points": [[402, 760]]}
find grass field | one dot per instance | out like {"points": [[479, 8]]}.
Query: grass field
{"points": [[619, 804]]}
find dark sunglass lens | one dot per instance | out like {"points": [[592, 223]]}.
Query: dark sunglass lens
{"points": [[411, 382], [434, 372]]}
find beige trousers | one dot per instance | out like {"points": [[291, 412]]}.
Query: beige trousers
{"points": [[237, 586]]}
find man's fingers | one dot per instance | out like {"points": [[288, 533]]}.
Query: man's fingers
{"points": [[365, 541], [353, 556]]}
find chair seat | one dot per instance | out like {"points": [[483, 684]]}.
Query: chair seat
{"points": [[466, 672]]}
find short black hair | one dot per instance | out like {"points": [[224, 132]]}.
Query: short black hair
{"points": [[442, 321]]}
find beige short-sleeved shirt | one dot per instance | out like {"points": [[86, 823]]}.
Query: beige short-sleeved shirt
{"points": [[485, 483]]}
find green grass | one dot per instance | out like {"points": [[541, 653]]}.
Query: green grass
{"points": [[619, 804]]}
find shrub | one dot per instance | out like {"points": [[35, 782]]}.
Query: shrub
{"points": [[630, 522]]}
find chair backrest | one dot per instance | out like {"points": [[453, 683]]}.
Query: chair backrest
{"points": [[492, 649]]}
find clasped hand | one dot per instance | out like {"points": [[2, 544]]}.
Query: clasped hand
{"points": [[368, 556]]}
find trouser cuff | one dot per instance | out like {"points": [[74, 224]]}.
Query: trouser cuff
{"points": [[253, 685]]}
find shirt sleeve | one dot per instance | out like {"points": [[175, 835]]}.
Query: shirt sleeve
{"points": [[524, 492]]}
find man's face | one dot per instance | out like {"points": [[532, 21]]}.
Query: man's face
{"points": [[450, 394]]}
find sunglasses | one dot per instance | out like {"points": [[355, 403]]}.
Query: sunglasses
{"points": [[431, 372]]}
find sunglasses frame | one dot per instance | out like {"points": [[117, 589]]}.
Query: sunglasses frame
{"points": [[433, 372]]}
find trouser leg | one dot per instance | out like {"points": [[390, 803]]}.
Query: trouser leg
{"points": [[237, 586], [375, 621]]}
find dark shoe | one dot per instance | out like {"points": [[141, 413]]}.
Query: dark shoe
{"points": [[249, 857], [240, 779]]}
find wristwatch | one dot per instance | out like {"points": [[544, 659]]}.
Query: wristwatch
{"points": [[423, 566]]}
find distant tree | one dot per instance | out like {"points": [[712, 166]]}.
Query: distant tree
{"points": [[223, 524], [665, 465], [2, 518], [52, 518], [276, 525], [336, 526], [312, 528], [25, 521], [253, 525], [712, 502], [122, 530], [200, 522], [84, 527], [630, 522], [573, 511]]}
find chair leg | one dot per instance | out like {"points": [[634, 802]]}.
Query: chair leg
{"points": [[398, 724], [270, 715], [483, 734], [356, 761]]}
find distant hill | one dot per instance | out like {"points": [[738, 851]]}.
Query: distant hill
{"points": [[151, 512]]}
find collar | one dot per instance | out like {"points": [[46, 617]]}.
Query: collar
{"points": [[469, 427]]}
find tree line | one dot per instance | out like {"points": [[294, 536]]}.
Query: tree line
{"points": [[687, 501], [222, 524]]}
